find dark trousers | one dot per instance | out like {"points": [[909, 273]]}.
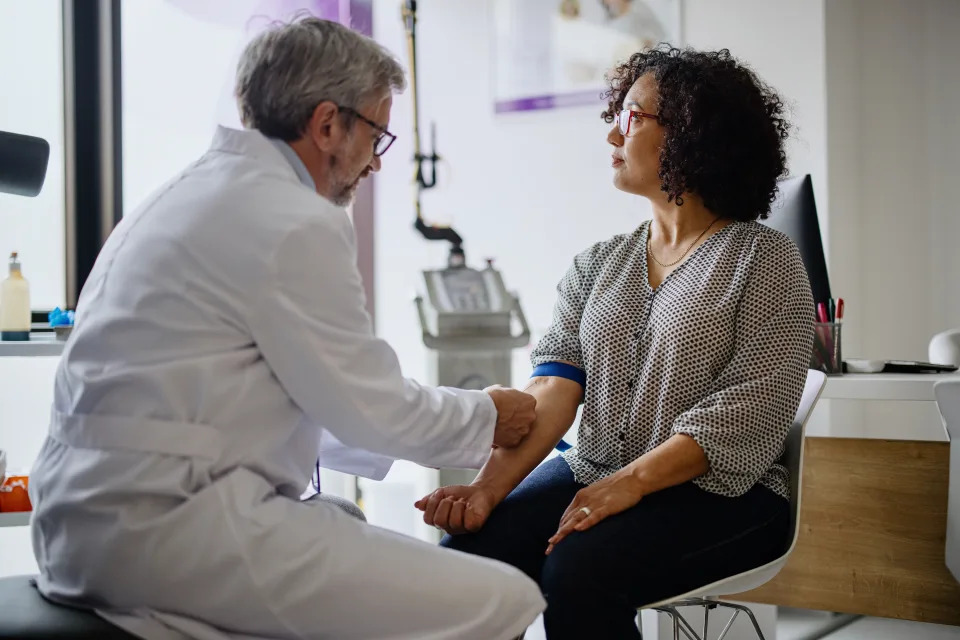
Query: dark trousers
{"points": [[669, 543]]}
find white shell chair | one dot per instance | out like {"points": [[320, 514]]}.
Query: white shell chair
{"points": [[948, 399], [708, 595]]}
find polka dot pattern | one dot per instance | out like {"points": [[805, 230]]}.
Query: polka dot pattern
{"points": [[719, 352]]}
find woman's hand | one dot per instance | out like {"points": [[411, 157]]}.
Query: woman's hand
{"points": [[600, 500], [457, 509]]}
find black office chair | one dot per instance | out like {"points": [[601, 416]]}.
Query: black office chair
{"points": [[29, 616]]}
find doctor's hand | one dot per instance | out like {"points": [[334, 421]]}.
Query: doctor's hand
{"points": [[516, 412], [457, 509]]}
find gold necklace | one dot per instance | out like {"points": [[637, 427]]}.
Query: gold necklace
{"points": [[684, 254]]}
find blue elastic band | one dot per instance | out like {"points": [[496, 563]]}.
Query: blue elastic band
{"points": [[561, 370]]}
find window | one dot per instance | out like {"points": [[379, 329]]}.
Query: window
{"points": [[179, 59], [31, 65]]}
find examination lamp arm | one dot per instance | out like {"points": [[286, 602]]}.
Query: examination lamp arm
{"points": [[422, 179]]}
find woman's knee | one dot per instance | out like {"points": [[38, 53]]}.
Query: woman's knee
{"points": [[585, 563], [570, 566]]}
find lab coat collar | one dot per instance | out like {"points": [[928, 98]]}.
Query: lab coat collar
{"points": [[295, 162], [252, 143]]}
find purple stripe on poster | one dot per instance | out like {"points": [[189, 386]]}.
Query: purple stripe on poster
{"points": [[536, 103], [359, 16], [258, 13], [285, 9]]}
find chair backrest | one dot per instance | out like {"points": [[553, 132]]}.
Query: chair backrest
{"points": [[948, 400], [792, 457]]}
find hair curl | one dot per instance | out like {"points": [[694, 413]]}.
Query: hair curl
{"points": [[724, 128]]}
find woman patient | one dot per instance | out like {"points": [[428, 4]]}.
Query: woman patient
{"points": [[687, 341]]}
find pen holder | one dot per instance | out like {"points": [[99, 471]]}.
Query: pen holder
{"points": [[827, 355]]}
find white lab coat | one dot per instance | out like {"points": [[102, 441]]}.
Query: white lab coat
{"points": [[221, 342]]}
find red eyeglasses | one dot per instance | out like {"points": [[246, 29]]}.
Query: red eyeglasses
{"points": [[626, 116]]}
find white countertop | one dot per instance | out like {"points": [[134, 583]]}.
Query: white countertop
{"points": [[916, 387], [39, 344]]}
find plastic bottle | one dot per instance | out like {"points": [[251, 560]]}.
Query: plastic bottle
{"points": [[14, 304]]}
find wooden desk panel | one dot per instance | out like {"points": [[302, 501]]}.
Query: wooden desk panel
{"points": [[872, 534]]}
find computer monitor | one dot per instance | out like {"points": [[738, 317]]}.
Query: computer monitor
{"points": [[795, 214]]}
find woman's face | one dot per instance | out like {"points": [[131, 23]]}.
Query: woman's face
{"points": [[636, 156]]}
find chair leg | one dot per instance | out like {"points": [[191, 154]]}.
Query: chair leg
{"points": [[681, 624], [746, 610], [733, 618]]}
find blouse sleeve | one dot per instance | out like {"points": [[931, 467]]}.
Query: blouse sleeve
{"points": [[742, 424], [561, 343]]}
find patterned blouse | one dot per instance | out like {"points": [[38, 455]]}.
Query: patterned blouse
{"points": [[719, 352]]}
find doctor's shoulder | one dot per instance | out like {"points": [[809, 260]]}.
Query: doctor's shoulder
{"points": [[277, 207]]}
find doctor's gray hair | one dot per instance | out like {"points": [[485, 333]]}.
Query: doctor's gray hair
{"points": [[285, 72]]}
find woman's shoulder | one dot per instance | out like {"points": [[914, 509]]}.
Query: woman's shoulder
{"points": [[600, 252], [764, 243], [773, 264]]}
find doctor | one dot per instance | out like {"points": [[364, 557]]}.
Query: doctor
{"points": [[219, 338]]}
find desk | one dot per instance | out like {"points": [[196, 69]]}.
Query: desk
{"points": [[873, 517]]}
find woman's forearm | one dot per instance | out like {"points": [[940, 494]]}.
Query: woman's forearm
{"points": [[557, 401], [678, 460]]}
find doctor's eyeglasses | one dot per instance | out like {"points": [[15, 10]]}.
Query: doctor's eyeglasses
{"points": [[626, 116], [383, 141]]}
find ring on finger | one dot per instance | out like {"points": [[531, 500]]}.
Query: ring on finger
{"points": [[585, 510]]}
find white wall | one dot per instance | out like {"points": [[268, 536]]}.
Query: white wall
{"points": [[530, 189], [893, 90], [783, 41]]}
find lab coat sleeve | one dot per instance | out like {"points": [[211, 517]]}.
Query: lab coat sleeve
{"points": [[336, 456], [311, 326]]}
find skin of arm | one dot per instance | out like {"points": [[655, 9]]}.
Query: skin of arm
{"points": [[557, 402]]}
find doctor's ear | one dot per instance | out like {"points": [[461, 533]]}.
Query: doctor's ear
{"points": [[326, 127]]}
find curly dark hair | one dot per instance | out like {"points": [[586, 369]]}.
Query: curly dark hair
{"points": [[724, 128]]}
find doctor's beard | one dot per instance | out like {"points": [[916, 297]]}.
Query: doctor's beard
{"points": [[343, 188]]}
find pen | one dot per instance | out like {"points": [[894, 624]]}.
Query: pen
{"points": [[839, 309], [822, 312], [832, 310]]}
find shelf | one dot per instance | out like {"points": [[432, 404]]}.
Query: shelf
{"points": [[39, 345], [15, 519]]}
